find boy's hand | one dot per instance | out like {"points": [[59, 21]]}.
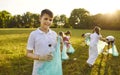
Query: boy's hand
{"points": [[47, 57]]}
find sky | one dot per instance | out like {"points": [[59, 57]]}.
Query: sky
{"points": [[59, 6]]}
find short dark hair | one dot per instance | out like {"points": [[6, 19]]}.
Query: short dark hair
{"points": [[60, 33], [67, 32], [47, 11]]}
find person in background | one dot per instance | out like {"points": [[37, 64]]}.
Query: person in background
{"points": [[93, 50], [111, 46], [64, 55], [87, 38], [101, 44], [68, 34], [42, 47], [67, 42]]}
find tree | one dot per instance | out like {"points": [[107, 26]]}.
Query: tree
{"points": [[5, 17], [64, 21], [78, 18], [55, 21]]}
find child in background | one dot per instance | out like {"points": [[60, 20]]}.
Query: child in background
{"points": [[93, 50], [87, 38], [111, 46], [66, 40], [64, 55], [100, 45], [68, 34], [61, 34]]}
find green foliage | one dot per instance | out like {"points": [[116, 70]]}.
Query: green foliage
{"points": [[13, 60], [4, 18], [79, 19]]}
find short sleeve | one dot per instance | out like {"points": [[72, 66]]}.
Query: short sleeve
{"points": [[31, 42]]}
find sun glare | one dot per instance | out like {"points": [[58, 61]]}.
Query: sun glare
{"points": [[104, 11], [60, 6], [109, 10]]}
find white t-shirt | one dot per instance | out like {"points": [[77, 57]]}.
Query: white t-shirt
{"points": [[39, 41], [94, 38], [110, 38]]}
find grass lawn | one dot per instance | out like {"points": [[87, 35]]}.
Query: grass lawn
{"points": [[14, 62]]}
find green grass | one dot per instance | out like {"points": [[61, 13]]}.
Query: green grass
{"points": [[14, 62]]}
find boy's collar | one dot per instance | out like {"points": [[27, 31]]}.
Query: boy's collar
{"points": [[44, 32]]}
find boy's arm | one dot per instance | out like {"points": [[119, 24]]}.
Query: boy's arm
{"points": [[38, 57], [103, 39]]}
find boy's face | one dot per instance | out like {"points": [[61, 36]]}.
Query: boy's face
{"points": [[46, 21]]}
